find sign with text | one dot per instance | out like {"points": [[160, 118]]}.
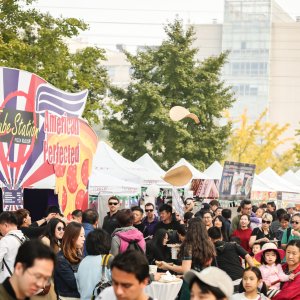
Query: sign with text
{"points": [[236, 181], [12, 199], [41, 134]]}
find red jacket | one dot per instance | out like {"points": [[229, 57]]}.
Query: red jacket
{"points": [[290, 289]]}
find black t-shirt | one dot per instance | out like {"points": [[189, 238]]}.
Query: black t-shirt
{"points": [[171, 228], [228, 258], [33, 232], [260, 234], [140, 227]]}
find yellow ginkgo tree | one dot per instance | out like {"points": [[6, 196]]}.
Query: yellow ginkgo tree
{"points": [[258, 143]]}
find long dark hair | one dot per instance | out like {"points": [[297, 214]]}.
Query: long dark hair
{"points": [[197, 242], [155, 248], [257, 273], [223, 228], [50, 233]]}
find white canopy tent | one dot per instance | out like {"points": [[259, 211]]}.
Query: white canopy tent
{"points": [[106, 184], [148, 163], [261, 185], [214, 171], [110, 162], [281, 184], [291, 177]]}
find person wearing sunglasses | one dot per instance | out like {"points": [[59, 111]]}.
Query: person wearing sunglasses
{"points": [[263, 234], [292, 233], [53, 234], [150, 220], [110, 222], [52, 237]]}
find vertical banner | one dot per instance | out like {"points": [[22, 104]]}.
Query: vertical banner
{"points": [[236, 181], [41, 134]]}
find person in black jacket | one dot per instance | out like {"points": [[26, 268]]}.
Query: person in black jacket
{"points": [[31, 230], [168, 223], [110, 222]]}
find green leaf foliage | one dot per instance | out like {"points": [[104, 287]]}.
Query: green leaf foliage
{"points": [[163, 77], [36, 42]]}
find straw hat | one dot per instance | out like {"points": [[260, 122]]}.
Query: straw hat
{"points": [[213, 277], [179, 176], [269, 246]]}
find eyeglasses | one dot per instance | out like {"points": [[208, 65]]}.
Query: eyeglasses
{"points": [[265, 221], [148, 210], [113, 203], [40, 277], [61, 228], [294, 222]]}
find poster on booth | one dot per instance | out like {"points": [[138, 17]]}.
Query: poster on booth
{"points": [[236, 181], [41, 134]]}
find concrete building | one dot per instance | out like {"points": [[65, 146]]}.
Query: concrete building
{"points": [[264, 60]]}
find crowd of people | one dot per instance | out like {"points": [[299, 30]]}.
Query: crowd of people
{"points": [[254, 255]]}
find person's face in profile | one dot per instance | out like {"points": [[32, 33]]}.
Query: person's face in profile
{"points": [[165, 216]]}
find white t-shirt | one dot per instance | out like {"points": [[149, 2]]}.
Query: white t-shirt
{"points": [[9, 246], [241, 296], [108, 294]]}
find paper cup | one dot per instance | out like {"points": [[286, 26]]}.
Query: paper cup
{"points": [[152, 269]]}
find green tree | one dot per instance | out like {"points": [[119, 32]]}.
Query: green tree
{"points": [[258, 143], [162, 78], [36, 42]]}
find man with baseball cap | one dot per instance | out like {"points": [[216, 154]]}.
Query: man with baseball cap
{"points": [[290, 208], [211, 283]]}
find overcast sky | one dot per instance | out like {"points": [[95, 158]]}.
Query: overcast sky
{"points": [[140, 22]]}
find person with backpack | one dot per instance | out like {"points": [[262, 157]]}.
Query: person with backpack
{"points": [[9, 244], [94, 271], [127, 236], [228, 255]]}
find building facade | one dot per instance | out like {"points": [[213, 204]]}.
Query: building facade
{"points": [[264, 62]]}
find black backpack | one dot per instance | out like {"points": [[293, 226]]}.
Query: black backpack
{"points": [[133, 245], [104, 281]]}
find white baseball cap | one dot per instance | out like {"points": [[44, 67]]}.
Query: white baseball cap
{"points": [[214, 277]]}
